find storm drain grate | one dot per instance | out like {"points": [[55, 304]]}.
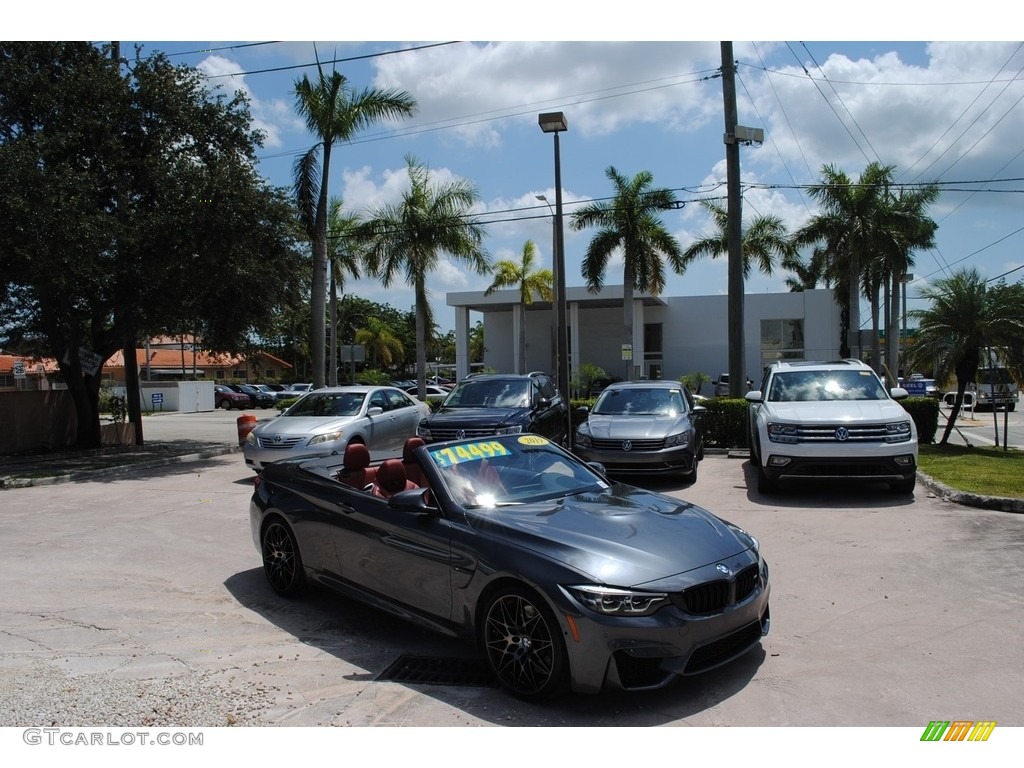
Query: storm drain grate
{"points": [[439, 670]]}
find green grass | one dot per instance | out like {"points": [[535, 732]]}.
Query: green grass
{"points": [[983, 470]]}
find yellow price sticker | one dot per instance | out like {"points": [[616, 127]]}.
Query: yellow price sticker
{"points": [[533, 440]]}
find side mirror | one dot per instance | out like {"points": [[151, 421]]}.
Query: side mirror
{"points": [[754, 397], [374, 410]]}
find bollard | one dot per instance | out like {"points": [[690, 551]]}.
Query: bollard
{"points": [[246, 424]]}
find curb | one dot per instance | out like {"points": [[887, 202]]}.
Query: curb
{"points": [[997, 503]]}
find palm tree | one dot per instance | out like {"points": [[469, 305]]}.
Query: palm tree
{"points": [[379, 339], [846, 230], [344, 257], [409, 237], [630, 224], [764, 241], [530, 282], [965, 317], [333, 111]]}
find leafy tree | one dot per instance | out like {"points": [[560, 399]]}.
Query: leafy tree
{"points": [[765, 241], [408, 238], [629, 224], [965, 317], [334, 111], [132, 207], [476, 343], [377, 337], [530, 282], [847, 231]]}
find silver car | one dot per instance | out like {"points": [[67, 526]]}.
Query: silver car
{"points": [[326, 421], [644, 426]]}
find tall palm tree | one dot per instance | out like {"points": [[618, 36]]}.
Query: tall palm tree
{"points": [[530, 282], [966, 316], [344, 256], [630, 224], [765, 241], [408, 238], [379, 339], [846, 230], [334, 111]]}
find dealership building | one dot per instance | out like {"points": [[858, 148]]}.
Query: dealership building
{"points": [[672, 336]]}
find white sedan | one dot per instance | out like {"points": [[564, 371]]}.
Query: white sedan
{"points": [[326, 421]]}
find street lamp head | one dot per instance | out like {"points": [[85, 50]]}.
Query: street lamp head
{"points": [[542, 198], [553, 122]]}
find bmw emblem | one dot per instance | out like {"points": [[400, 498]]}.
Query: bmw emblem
{"points": [[842, 434], [724, 569], [627, 445], [460, 434]]}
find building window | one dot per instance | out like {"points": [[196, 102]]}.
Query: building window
{"points": [[653, 348], [781, 340]]}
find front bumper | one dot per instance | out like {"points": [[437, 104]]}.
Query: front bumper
{"points": [[675, 459], [650, 652], [780, 465]]}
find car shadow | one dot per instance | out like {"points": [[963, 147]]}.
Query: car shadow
{"points": [[836, 494], [371, 640]]}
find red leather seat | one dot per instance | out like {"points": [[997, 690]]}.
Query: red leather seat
{"points": [[391, 479], [357, 471], [413, 471]]}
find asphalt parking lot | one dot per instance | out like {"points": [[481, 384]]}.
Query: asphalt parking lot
{"points": [[886, 611]]}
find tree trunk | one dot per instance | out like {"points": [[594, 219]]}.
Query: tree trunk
{"points": [[627, 315]]}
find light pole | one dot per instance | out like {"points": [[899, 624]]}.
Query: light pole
{"points": [[555, 122]]}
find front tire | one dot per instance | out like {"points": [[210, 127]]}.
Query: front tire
{"points": [[904, 486], [225, 404], [282, 563], [523, 644], [766, 484]]}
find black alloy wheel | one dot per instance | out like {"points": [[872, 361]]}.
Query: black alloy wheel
{"points": [[524, 645], [282, 562], [225, 404]]}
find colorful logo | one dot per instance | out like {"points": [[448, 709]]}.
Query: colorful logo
{"points": [[958, 730]]}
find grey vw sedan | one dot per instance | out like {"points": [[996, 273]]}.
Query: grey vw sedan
{"points": [[563, 579], [640, 427]]}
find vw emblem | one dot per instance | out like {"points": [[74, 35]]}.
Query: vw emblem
{"points": [[459, 434], [842, 434], [723, 569], [627, 445]]}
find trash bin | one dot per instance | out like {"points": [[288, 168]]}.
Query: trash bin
{"points": [[246, 424]]}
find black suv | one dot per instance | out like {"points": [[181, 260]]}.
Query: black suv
{"points": [[500, 404]]}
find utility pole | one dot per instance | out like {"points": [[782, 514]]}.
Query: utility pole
{"points": [[737, 375]]}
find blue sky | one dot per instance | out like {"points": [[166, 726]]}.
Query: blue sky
{"points": [[939, 111]]}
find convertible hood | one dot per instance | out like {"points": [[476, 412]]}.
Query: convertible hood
{"points": [[621, 536], [634, 427]]}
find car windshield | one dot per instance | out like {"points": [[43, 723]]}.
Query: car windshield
{"points": [[510, 470], [802, 386], [483, 393], [640, 402], [328, 404]]}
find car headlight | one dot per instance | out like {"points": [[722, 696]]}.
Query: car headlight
{"points": [[616, 602], [327, 437], [897, 432], [583, 440], [509, 430], [783, 433], [683, 438], [251, 438], [424, 431]]}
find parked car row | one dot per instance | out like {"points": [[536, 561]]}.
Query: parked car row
{"points": [[228, 396]]}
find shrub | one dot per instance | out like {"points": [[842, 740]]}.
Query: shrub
{"points": [[725, 422], [925, 413]]}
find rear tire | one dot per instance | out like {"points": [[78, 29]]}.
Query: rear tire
{"points": [[282, 563]]}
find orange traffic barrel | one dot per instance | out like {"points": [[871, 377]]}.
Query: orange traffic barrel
{"points": [[246, 424]]}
